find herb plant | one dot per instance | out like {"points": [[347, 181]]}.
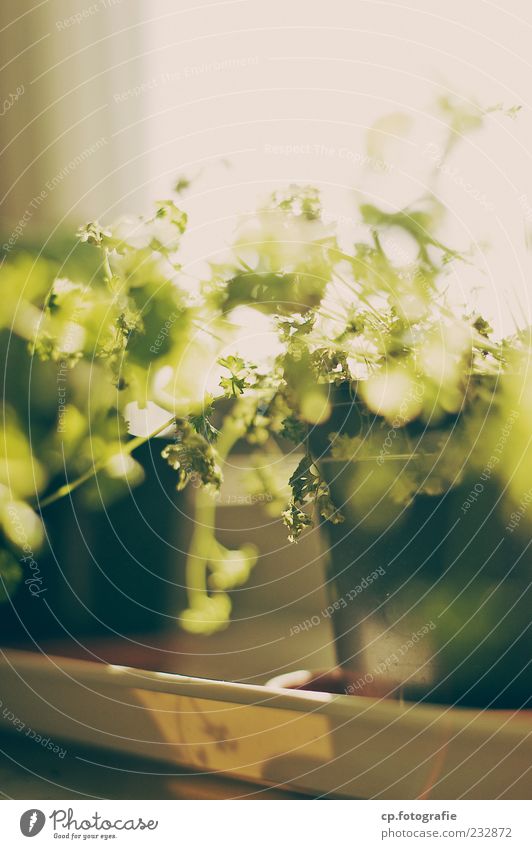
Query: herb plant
{"points": [[351, 321]]}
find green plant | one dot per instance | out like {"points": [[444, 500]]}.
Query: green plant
{"points": [[141, 334]]}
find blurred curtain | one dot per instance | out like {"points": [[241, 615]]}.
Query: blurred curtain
{"points": [[67, 151]]}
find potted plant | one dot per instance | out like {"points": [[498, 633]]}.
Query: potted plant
{"points": [[104, 562], [404, 416]]}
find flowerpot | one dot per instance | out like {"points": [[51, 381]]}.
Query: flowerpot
{"points": [[105, 571], [430, 596]]}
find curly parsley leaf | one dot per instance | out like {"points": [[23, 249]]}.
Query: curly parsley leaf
{"points": [[240, 372], [193, 458], [308, 487]]}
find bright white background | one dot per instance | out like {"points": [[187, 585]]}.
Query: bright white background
{"points": [[175, 86]]}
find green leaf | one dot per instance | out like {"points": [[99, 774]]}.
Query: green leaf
{"points": [[10, 575], [93, 233], [193, 458], [296, 520], [168, 209], [308, 487], [294, 429], [203, 425], [235, 385]]}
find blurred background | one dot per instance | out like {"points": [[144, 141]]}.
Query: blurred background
{"points": [[119, 98], [107, 105]]}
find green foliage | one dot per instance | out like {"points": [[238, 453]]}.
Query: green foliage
{"points": [[193, 458], [356, 321], [308, 487], [202, 424], [10, 574], [238, 381], [294, 429]]}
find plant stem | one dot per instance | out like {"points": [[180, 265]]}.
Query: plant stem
{"points": [[203, 543], [107, 267], [129, 447]]}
